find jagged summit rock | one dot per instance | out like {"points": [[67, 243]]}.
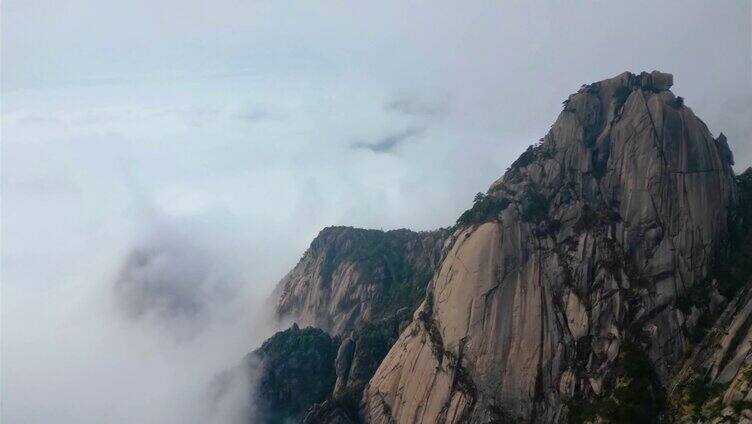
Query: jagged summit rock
{"points": [[656, 80], [576, 266]]}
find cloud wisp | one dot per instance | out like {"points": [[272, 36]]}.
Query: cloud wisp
{"points": [[389, 142], [173, 284]]}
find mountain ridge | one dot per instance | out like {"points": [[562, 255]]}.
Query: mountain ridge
{"points": [[574, 289], [350, 274], [599, 231]]}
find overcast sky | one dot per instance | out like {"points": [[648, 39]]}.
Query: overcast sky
{"points": [[218, 137]]}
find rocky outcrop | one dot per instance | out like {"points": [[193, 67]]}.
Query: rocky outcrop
{"points": [[715, 384], [575, 266], [357, 359], [350, 275], [293, 370], [362, 352]]}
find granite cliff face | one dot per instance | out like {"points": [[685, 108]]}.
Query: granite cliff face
{"points": [[361, 286], [584, 286], [350, 275], [584, 248], [715, 383]]}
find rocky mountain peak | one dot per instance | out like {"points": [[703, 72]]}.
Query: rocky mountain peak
{"points": [[574, 262], [582, 286]]}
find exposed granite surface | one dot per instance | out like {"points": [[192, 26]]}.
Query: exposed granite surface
{"points": [[599, 231]]}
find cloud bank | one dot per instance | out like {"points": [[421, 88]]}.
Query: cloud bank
{"points": [[165, 163]]}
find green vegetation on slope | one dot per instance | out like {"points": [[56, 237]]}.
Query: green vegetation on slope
{"points": [[373, 339], [635, 394], [296, 370], [485, 208], [393, 258], [701, 401]]}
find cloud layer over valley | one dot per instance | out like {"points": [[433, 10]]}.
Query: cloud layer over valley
{"points": [[164, 164]]}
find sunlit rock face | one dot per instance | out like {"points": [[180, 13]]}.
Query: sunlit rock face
{"points": [[587, 248], [350, 275]]}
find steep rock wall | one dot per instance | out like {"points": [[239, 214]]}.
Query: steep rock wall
{"points": [[587, 244], [715, 383], [350, 275]]}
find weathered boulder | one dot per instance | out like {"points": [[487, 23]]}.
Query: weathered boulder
{"points": [[343, 363], [723, 144], [590, 243], [661, 81]]}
